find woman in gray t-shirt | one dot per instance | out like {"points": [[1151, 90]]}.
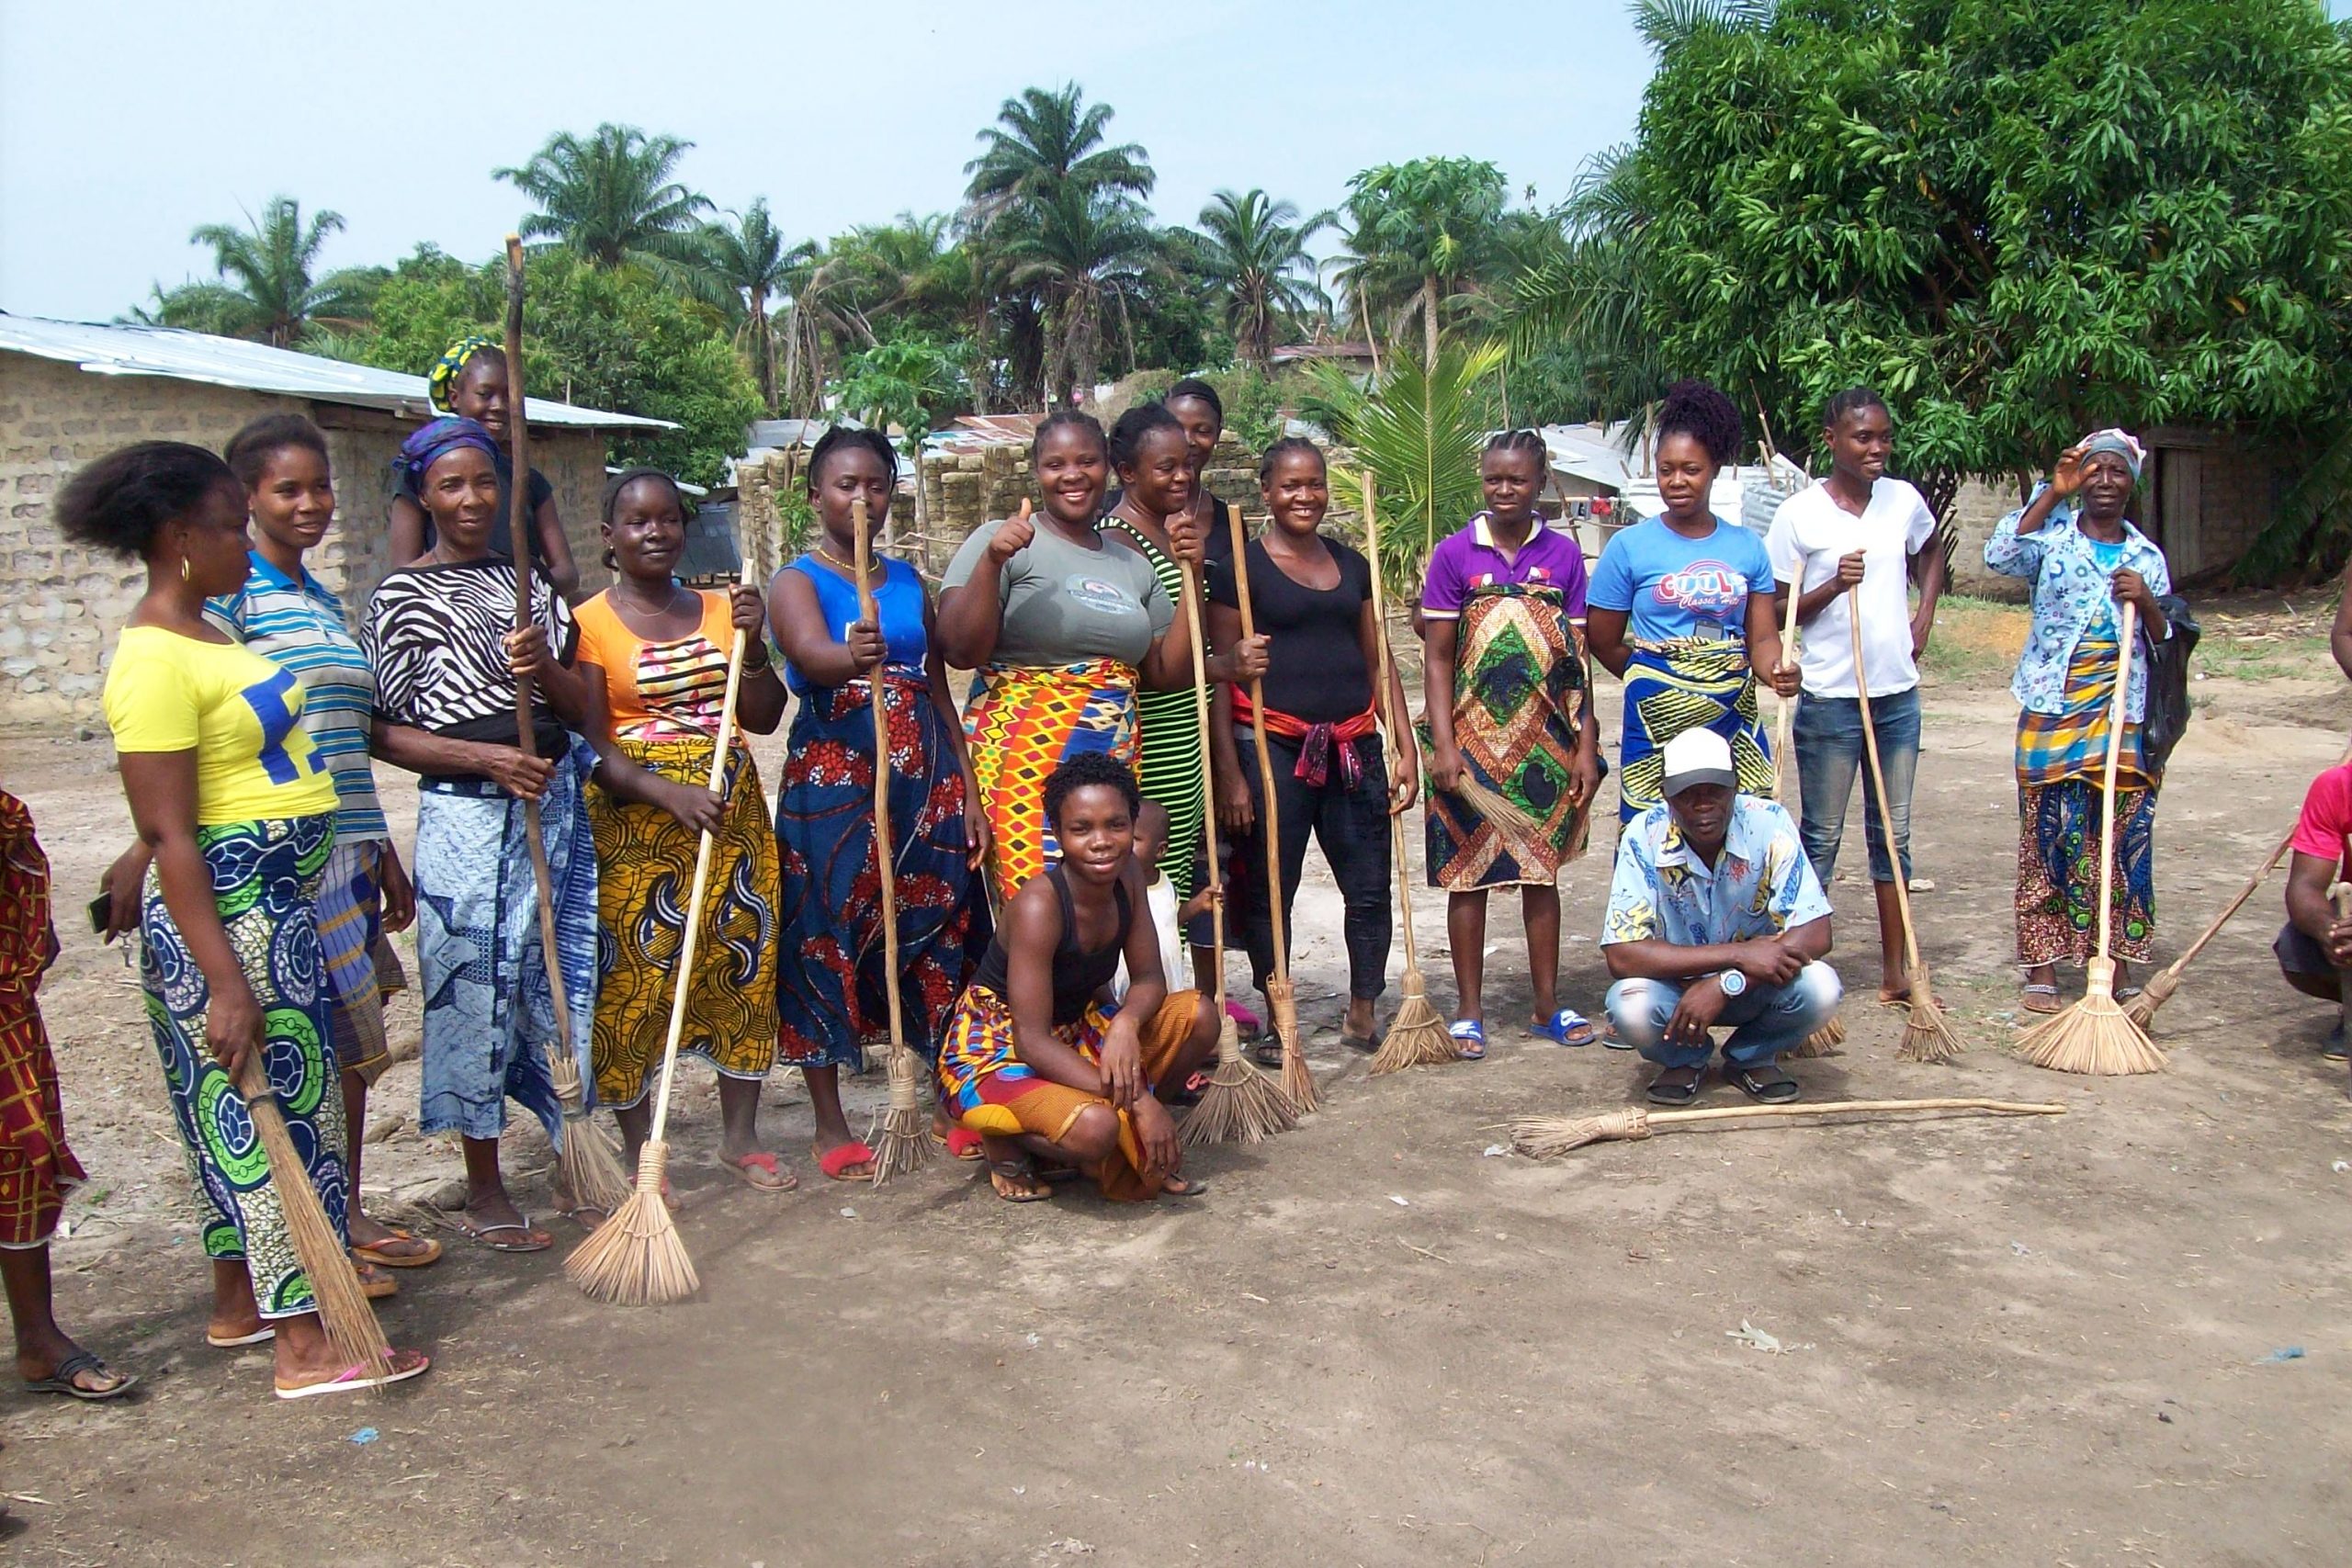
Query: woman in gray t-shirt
{"points": [[1062, 624]]}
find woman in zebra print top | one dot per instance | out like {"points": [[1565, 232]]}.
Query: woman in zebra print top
{"points": [[440, 632]]}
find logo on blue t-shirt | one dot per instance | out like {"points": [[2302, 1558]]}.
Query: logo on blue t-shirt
{"points": [[1707, 590]]}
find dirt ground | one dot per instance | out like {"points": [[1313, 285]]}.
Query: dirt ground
{"points": [[1378, 1340]]}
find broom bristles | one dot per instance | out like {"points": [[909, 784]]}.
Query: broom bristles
{"points": [[2141, 1009], [901, 1140], [1417, 1036], [636, 1257], [586, 1163], [1240, 1105], [1926, 1036], [2094, 1036], [1540, 1137], [1298, 1081], [1498, 808], [1822, 1042]]}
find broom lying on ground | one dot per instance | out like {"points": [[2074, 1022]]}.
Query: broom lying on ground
{"points": [[1417, 1035], [636, 1257], [2095, 1035], [586, 1166], [2165, 981], [1541, 1137]]}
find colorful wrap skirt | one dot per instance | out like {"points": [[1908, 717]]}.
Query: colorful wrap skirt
{"points": [[2061, 765], [1520, 689], [361, 967], [489, 1015], [265, 884], [1019, 722], [36, 1166], [1691, 683], [833, 999], [645, 875]]}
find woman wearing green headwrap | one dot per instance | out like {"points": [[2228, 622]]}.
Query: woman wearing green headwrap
{"points": [[470, 382]]}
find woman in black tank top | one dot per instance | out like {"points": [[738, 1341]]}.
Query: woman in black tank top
{"points": [[1034, 1060]]}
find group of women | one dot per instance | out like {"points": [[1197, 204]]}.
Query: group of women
{"points": [[246, 710]]}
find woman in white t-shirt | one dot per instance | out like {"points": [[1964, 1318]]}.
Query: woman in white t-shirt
{"points": [[1858, 527]]}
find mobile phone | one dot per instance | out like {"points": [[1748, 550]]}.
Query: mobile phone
{"points": [[101, 911]]}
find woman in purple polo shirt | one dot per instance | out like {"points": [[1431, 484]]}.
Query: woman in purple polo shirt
{"points": [[1506, 696]]}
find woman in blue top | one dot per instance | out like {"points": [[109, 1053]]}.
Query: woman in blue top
{"points": [[1680, 608], [831, 988], [2085, 560]]}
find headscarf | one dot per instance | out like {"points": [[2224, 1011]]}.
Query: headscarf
{"points": [[427, 444], [2121, 443], [443, 377]]}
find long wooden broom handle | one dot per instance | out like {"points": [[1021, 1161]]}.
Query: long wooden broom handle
{"points": [[701, 876], [1192, 597], [2234, 905], [1786, 712], [1383, 701], [2115, 721], [1848, 1107], [885, 851], [1878, 781], [1266, 822]]}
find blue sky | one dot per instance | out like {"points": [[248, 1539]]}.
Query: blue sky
{"points": [[123, 126]]}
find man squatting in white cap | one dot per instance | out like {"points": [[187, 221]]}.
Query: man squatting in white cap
{"points": [[1715, 918]]}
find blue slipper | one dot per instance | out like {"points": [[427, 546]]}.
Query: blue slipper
{"points": [[1469, 1039], [1567, 1026]]}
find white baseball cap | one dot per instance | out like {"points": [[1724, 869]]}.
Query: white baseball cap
{"points": [[1698, 757]]}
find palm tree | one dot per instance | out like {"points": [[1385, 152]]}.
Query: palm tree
{"points": [[1418, 428], [1255, 251], [748, 261], [266, 290], [1043, 141], [1589, 295], [1422, 234], [612, 198], [1085, 251]]}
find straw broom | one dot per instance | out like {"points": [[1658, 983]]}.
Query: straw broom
{"points": [[636, 1257], [903, 1141], [1417, 1035], [344, 1312], [1297, 1081], [2095, 1035], [2161, 986], [1926, 1037], [1240, 1103], [586, 1164], [1832, 1034], [1541, 1137]]}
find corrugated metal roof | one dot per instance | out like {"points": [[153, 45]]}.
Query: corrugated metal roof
{"points": [[106, 350]]}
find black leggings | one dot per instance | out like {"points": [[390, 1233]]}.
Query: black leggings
{"points": [[1352, 827]]}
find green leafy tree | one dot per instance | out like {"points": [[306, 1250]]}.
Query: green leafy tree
{"points": [[1255, 254], [910, 380], [268, 287], [1418, 427], [612, 198], [1044, 143], [1421, 237], [2018, 222], [1087, 251], [748, 263]]}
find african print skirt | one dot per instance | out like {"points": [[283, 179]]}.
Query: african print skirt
{"points": [[1021, 721], [645, 875], [488, 1016], [264, 882], [36, 1168], [1174, 768], [1692, 684], [1520, 690], [361, 967], [833, 999], [2061, 763]]}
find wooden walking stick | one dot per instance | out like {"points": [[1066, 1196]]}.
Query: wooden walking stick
{"points": [[2161, 986], [2095, 1035], [585, 1162], [1832, 1034], [1240, 1103], [1927, 1037], [1297, 1081], [636, 1257], [903, 1141], [1541, 1137], [1417, 1035]]}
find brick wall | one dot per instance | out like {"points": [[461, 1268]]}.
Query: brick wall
{"points": [[64, 605]]}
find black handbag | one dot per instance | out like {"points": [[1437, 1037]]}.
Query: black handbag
{"points": [[2167, 717]]}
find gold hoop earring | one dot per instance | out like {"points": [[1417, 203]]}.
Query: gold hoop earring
{"points": [[183, 568]]}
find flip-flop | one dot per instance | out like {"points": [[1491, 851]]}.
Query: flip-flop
{"points": [[1182, 1187], [782, 1180], [1364, 1043], [1469, 1039], [1764, 1083], [61, 1379], [840, 1157], [963, 1143], [374, 1283], [473, 1231], [1566, 1027], [2039, 998], [406, 1364], [1266, 1050], [261, 1336], [1244, 1023], [374, 1252]]}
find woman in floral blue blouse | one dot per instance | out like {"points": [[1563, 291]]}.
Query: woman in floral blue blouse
{"points": [[2085, 560]]}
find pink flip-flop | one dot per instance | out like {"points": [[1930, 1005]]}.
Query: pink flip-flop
{"points": [[406, 1364], [840, 1157], [778, 1179]]}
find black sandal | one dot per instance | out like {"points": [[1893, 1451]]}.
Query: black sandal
{"points": [[1266, 1050], [1765, 1084], [1670, 1088]]}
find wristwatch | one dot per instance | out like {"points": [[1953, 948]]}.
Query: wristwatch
{"points": [[1731, 981]]}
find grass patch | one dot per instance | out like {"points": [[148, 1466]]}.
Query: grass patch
{"points": [[1975, 642]]}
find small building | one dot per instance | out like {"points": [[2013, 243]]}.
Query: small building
{"points": [[71, 391]]}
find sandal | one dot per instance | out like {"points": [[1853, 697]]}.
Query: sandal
{"points": [[1676, 1086], [423, 1250], [261, 1336], [534, 1239], [374, 1283], [836, 1160], [1245, 1023], [1266, 1050], [1364, 1045], [1764, 1083], [405, 1364], [964, 1143], [1566, 1027], [2039, 998], [765, 1165], [62, 1376], [1174, 1185], [1015, 1181], [1469, 1036]]}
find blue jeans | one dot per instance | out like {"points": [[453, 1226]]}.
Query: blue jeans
{"points": [[1765, 1021], [1828, 735]]}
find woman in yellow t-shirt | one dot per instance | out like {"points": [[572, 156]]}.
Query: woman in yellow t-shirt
{"points": [[239, 809]]}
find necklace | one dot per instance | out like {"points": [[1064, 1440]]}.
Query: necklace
{"points": [[643, 608], [822, 554]]}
